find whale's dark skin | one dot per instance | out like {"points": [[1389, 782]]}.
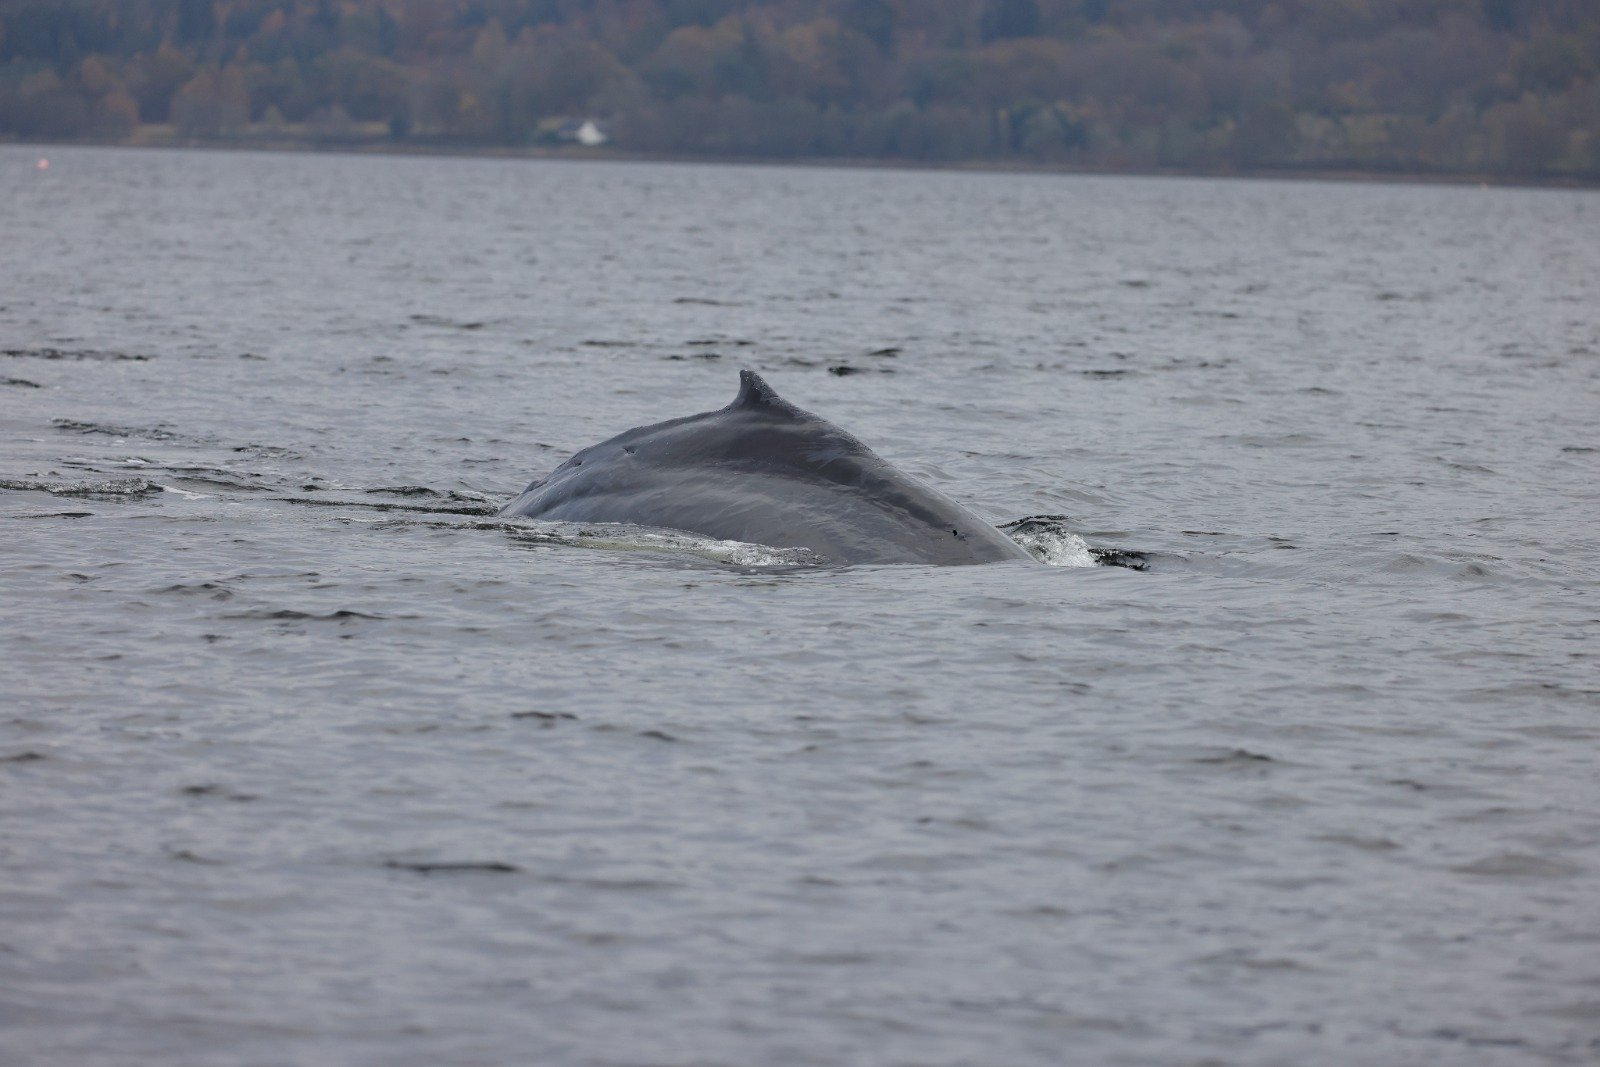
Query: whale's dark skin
{"points": [[763, 471]]}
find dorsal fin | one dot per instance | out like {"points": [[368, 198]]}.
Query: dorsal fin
{"points": [[755, 394]]}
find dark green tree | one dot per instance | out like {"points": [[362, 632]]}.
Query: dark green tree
{"points": [[1009, 18]]}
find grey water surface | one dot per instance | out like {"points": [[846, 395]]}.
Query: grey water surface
{"points": [[307, 758]]}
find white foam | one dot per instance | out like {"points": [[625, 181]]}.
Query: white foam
{"points": [[185, 493], [1058, 548], [129, 487], [742, 554], [1047, 542], [638, 539]]}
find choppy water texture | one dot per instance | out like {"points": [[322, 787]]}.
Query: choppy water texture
{"points": [[306, 758]]}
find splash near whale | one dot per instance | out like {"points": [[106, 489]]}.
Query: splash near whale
{"points": [[765, 472]]}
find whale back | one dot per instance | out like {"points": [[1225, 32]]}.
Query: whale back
{"points": [[764, 471]]}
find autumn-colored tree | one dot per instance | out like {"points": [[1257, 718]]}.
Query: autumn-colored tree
{"points": [[1498, 85], [211, 104], [1550, 63], [41, 105], [157, 77], [821, 61]]}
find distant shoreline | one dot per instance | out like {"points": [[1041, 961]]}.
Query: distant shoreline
{"points": [[387, 147]]}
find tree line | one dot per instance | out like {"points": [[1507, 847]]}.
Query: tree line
{"points": [[1490, 86]]}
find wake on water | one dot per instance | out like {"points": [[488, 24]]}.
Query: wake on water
{"points": [[1046, 538], [621, 537]]}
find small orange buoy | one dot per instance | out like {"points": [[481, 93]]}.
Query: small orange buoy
{"points": [[43, 164]]}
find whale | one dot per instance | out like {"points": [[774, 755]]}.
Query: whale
{"points": [[765, 472]]}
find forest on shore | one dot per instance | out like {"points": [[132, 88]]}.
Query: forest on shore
{"points": [[1490, 87]]}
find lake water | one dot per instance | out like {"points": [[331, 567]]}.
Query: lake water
{"points": [[305, 758]]}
